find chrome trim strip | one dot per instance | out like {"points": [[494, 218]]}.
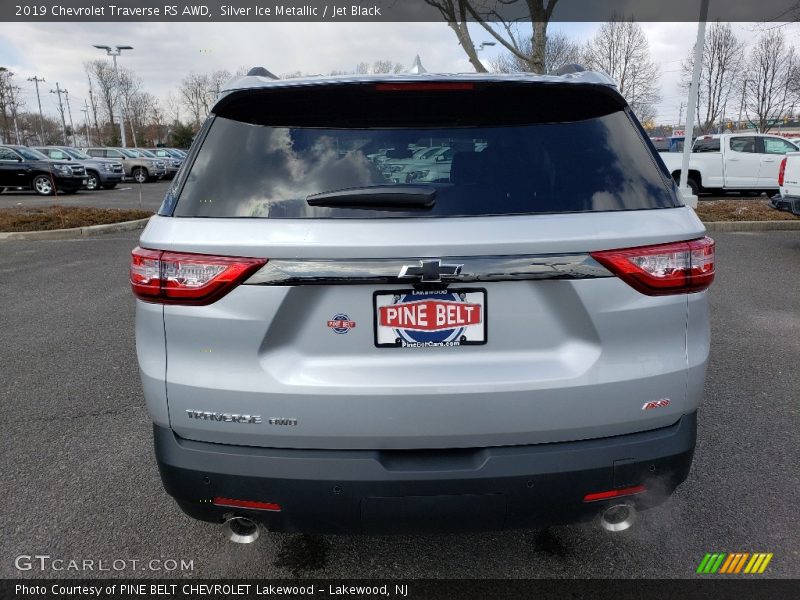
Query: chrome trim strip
{"points": [[393, 270]]}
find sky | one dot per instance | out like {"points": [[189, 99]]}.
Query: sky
{"points": [[164, 53]]}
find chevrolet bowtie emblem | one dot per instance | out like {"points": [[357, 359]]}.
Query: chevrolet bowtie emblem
{"points": [[429, 271]]}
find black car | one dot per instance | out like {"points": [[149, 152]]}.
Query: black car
{"points": [[22, 167]]}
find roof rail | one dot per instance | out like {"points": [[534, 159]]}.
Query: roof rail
{"points": [[261, 72]]}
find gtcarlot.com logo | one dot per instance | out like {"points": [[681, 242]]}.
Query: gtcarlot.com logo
{"points": [[45, 562], [734, 563]]}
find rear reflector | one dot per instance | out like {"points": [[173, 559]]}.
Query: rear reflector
{"points": [[782, 172], [677, 268], [250, 504], [431, 86], [628, 491], [180, 278]]}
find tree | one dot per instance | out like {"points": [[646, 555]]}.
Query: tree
{"points": [[101, 72], [620, 49], [182, 135], [769, 87], [10, 106], [378, 67], [722, 59], [531, 50], [559, 50]]}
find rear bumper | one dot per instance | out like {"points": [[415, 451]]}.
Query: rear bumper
{"points": [[365, 491]]}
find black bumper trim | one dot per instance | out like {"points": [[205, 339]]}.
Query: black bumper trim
{"points": [[341, 491]]}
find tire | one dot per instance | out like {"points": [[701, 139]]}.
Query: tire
{"points": [[109, 186], [43, 185], [694, 186], [92, 181], [139, 175]]}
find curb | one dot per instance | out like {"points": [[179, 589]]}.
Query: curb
{"points": [[752, 225], [73, 232]]}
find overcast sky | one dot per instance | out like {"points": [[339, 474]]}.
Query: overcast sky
{"points": [[166, 52]]}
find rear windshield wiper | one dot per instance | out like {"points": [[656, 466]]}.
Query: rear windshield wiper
{"points": [[385, 197]]}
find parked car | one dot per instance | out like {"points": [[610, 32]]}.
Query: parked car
{"points": [[788, 197], [744, 162], [523, 345], [23, 167], [137, 166], [172, 162], [100, 172]]}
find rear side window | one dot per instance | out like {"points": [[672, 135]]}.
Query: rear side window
{"points": [[529, 159], [710, 145], [743, 144]]}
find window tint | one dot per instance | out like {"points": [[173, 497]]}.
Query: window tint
{"points": [[778, 146], [249, 170], [8, 154], [743, 144], [706, 145]]}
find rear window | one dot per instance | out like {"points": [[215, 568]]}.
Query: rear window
{"points": [[533, 157]]}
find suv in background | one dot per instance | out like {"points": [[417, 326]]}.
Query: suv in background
{"points": [[137, 166], [23, 167], [100, 172], [520, 343], [172, 163]]}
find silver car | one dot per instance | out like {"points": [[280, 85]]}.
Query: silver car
{"points": [[522, 342]]}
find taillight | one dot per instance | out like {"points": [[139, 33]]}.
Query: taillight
{"points": [[782, 171], [181, 278], [676, 268]]}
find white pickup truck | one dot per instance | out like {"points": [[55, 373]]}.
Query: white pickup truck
{"points": [[746, 162]]}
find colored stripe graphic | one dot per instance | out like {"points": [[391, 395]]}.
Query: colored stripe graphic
{"points": [[733, 563], [703, 563]]}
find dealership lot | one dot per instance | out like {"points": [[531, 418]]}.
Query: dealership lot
{"points": [[82, 483], [128, 194]]}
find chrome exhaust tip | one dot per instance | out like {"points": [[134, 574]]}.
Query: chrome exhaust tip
{"points": [[618, 517], [241, 530]]}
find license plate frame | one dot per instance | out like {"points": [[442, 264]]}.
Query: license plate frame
{"points": [[471, 334]]}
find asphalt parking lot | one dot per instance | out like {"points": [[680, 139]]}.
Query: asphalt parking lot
{"points": [[81, 483], [128, 194]]}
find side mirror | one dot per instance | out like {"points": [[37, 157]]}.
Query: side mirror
{"points": [[19, 159]]}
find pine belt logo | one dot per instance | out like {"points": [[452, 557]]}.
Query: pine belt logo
{"points": [[428, 318], [341, 323], [734, 563]]}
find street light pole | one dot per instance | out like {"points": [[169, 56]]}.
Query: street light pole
{"points": [[691, 105], [114, 53], [36, 79]]}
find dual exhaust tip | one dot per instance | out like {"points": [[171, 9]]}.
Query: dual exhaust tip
{"points": [[617, 518], [242, 530]]}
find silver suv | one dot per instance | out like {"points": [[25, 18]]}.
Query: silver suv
{"points": [[137, 166], [522, 342]]}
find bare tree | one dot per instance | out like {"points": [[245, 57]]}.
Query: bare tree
{"points": [[769, 86], [559, 50], [101, 72], [722, 60], [194, 96], [620, 48], [458, 13], [10, 105]]}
